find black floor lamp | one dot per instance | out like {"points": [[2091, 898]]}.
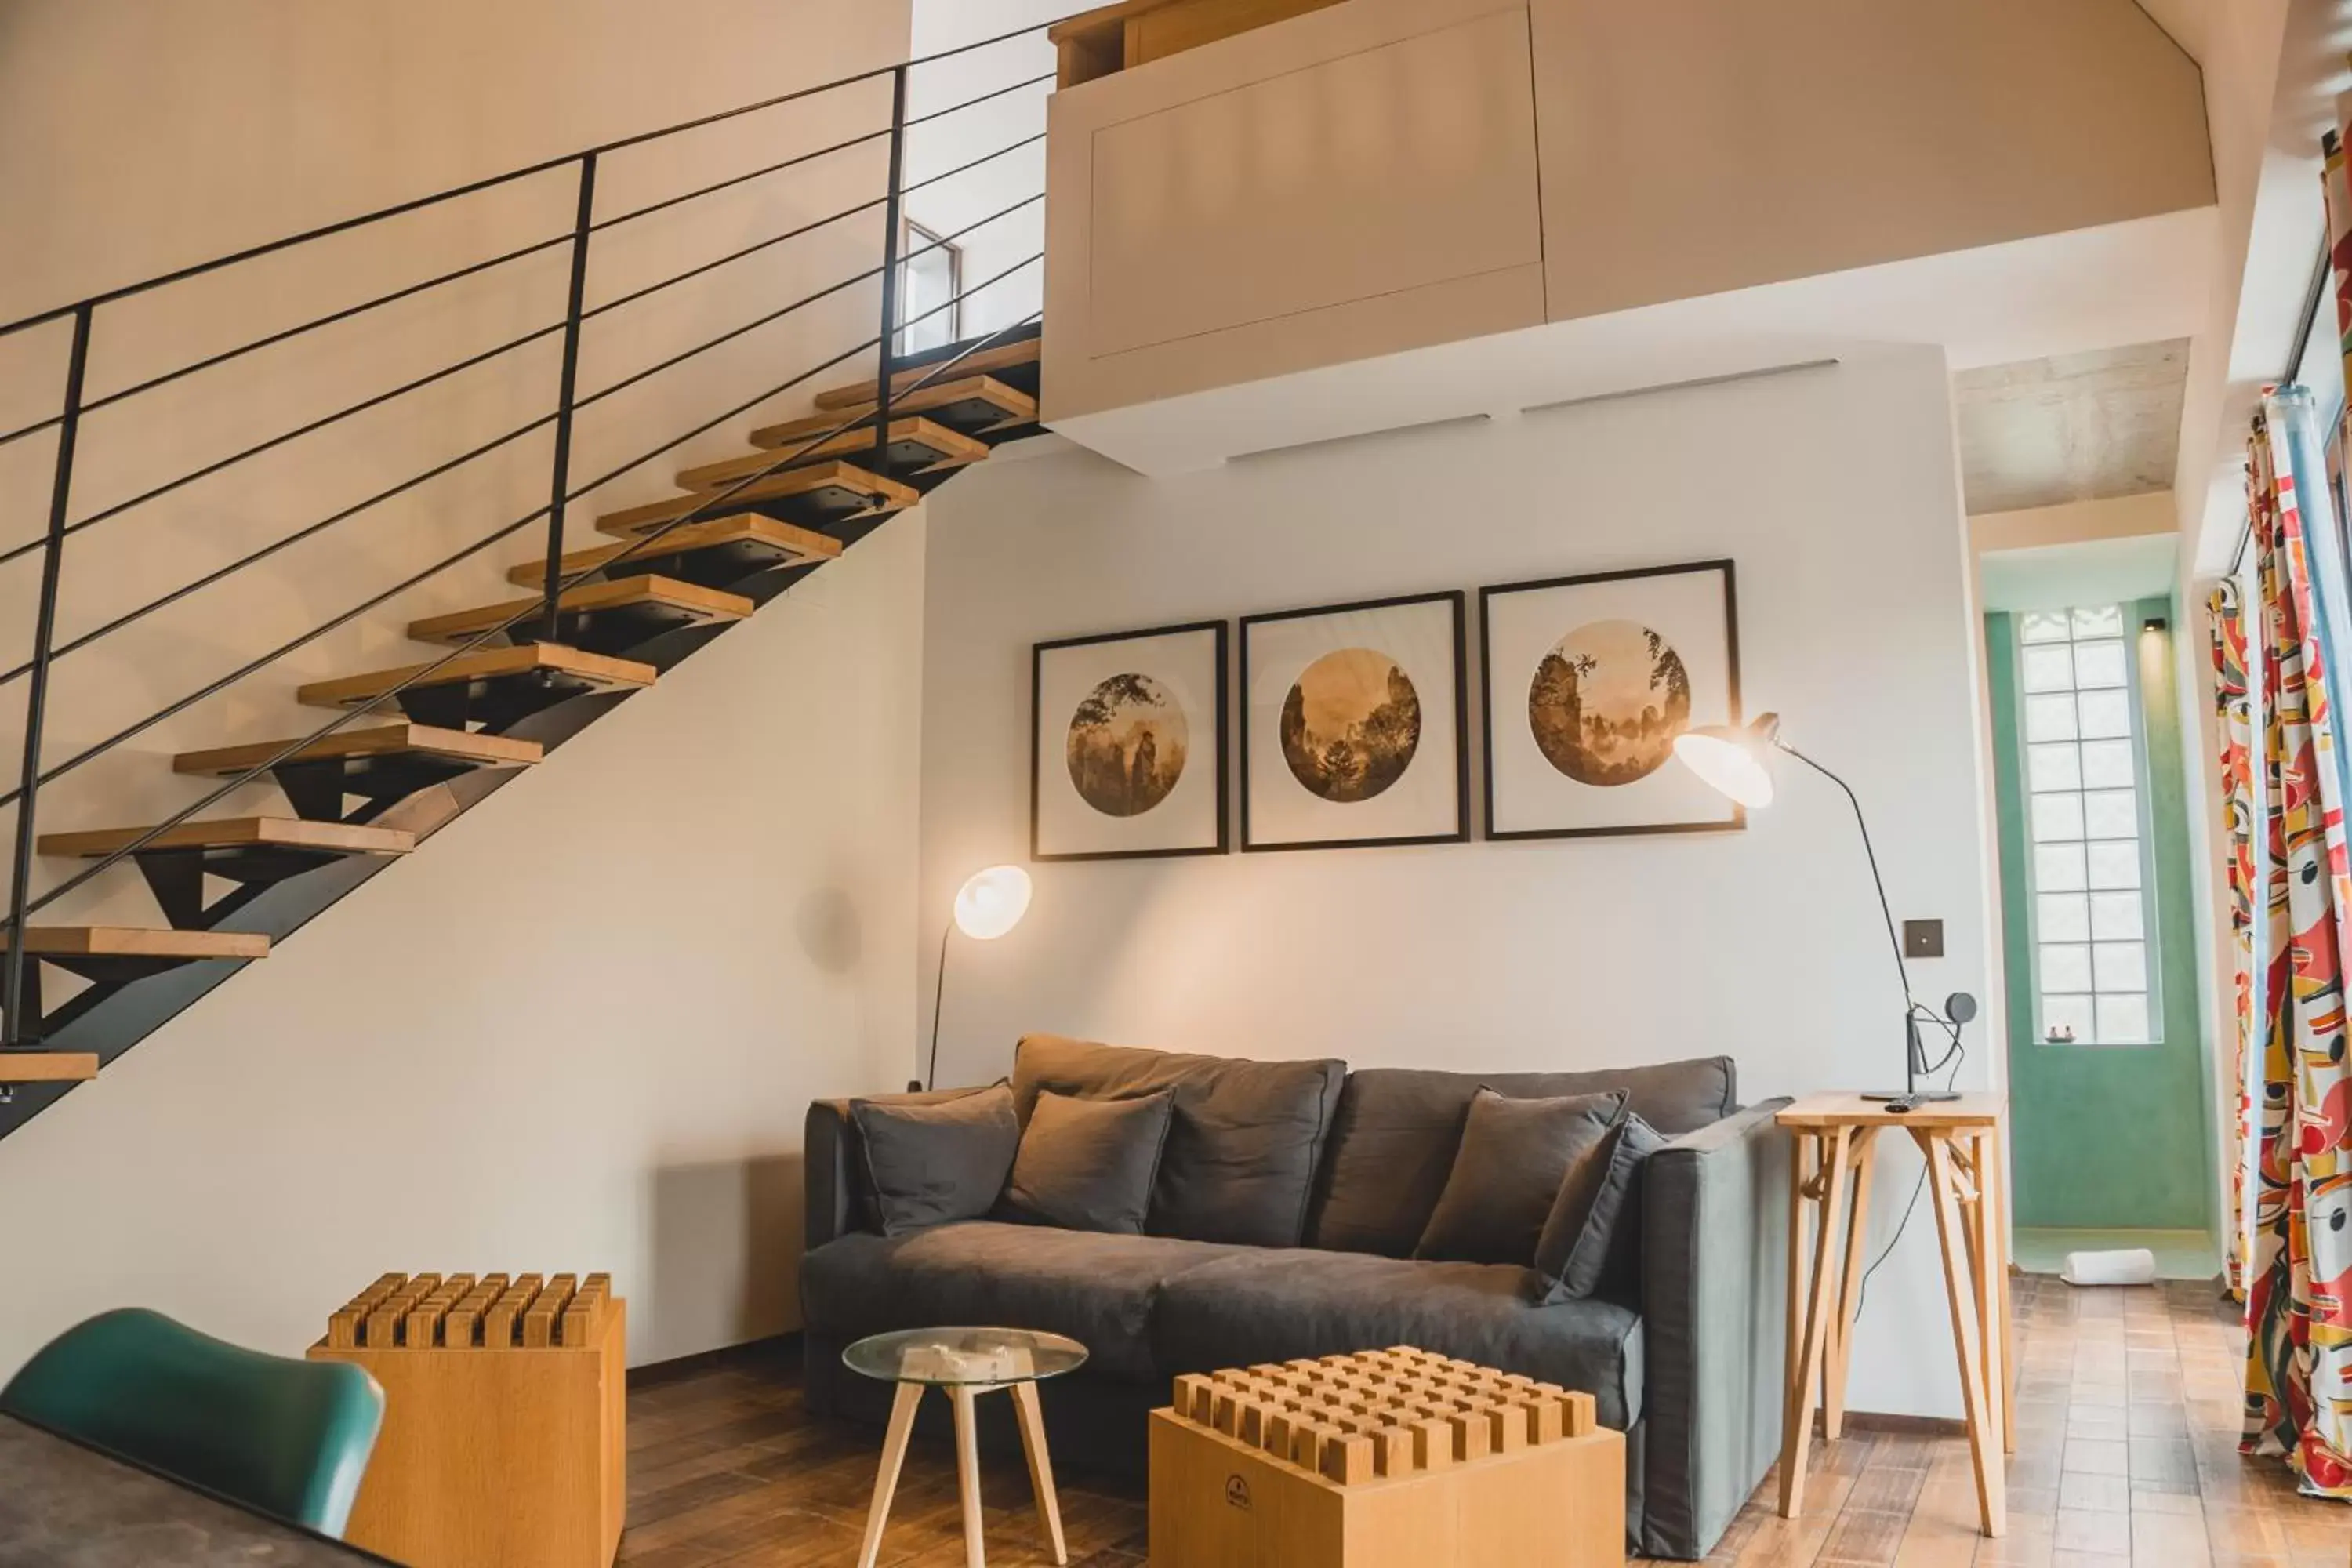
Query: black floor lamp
{"points": [[1736, 760], [989, 904]]}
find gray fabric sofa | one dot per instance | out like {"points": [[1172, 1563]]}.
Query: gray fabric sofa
{"points": [[1340, 1172]]}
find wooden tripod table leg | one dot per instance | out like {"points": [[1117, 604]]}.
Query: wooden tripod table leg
{"points": [[1970, 1332], [1041, 1467], [967, 1472], [1796, 1442], [1857, 1248], [894, 1455]]}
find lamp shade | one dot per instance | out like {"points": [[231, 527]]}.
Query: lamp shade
{"points": [[1734, 760], [991, 902]]}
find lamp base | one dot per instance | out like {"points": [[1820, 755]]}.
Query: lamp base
{"points": [[1911, 1100]]}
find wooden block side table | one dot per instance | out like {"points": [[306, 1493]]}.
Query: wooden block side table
{"points": [[1965, 1145], [505, 1419]]}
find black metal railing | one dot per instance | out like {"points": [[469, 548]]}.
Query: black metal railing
{"points": [[17, 1029]]}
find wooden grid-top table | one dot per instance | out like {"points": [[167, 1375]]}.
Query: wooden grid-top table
{"points": [[1965, 1145]]}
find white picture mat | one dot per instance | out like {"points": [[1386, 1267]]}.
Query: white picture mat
{"points": [[1425, 801], [1183, 662], [1686, 609]]}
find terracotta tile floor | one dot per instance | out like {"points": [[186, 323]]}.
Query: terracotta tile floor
{"points": [[2127, 1405]]}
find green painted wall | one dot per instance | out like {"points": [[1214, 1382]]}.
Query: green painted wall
{"points": [[2106, 1137]]}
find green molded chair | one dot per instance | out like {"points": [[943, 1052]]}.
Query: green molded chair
{"points": [[289, 1438]]}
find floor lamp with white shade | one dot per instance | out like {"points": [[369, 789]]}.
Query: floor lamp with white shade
{"points": [[989, 904]]}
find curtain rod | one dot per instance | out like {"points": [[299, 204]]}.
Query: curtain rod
{"points": [[2312, 300]]}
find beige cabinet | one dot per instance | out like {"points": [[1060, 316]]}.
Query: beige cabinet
{"points": [[1354, 182]]}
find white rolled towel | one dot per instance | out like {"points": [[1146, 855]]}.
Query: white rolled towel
{"points": [[2125, 1266]]}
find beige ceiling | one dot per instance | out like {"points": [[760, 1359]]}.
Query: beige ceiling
{"points": [[2081, 426]]}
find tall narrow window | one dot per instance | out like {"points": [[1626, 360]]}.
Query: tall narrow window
{"points": [[2088, 827], [930, 278]]}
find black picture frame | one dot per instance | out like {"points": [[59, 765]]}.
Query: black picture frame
{"points": [[1461, 833], [1737, 822], [1038, 653]]}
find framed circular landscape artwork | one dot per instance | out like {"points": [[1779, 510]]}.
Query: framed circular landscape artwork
{"points": [[1352, 725], [1127, 744], [1587, 681]]}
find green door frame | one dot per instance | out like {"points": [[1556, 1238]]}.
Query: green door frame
{"points": [[2106, 1137]]}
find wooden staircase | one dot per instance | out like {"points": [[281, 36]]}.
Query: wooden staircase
{"points": [[370, 795]]}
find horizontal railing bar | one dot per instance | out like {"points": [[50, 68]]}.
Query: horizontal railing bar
{"points": [[754, 324], [602, 224], [528, 609], [344, 314], [94, 519], [267, 551], [634, 295], [1029, 201], [345, 226], [35, 428], [976, 163], [983, 97]]}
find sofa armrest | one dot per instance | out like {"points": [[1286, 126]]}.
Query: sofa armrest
{"points": [[1715, 1305], [835, 1195]]}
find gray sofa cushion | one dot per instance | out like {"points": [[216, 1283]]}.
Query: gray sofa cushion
{"points": [[1244, 1144], [1098, 1289], [1270, 1305], [1515, 1158], [1087, 1164], [1592, 1239], [1393, 1138], [930, 1164]]}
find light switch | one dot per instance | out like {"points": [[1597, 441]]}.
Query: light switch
{"points": [[1922, 939]]}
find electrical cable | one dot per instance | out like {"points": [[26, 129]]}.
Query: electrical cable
{"points": [[1954, 1058]]}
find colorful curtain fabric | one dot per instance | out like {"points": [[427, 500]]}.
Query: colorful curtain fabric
{"points": [[2298, 1271], [2236, 713]]}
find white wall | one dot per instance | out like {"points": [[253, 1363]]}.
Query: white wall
{"points": [[1836, 492], [581, 1027], [577, 1030]]}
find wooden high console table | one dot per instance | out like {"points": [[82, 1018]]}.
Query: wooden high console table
{"points": [[1965, 1145]]}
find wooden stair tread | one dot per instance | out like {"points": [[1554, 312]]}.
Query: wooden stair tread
{"points": [[140, 942], [371, 741], [733, 528], [981, 362], [703, 603], [1016, 406], [887, 495], [482, 664], [914, 430], [48, 1067], [272, 831]]}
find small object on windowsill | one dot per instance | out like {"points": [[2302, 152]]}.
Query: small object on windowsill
{"points": [[2061, 1035]]}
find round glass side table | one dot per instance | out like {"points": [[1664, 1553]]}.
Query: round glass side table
{"points": [[965, 1363]]}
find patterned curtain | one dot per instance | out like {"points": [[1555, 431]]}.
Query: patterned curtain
{"points": [[2229, 636], [2298, 1271]]}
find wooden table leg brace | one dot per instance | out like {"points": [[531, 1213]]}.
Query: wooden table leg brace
{"points": [[963, 1397], [1829, 1186]]}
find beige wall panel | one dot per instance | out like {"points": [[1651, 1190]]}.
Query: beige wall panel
{"points": [[1351, 182], [1691, 147]]}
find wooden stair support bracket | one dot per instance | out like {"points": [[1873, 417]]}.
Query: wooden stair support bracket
{"points": [[380, 764], [690, 602], [741, 533], [925, 444], [118, 955], [493, 685], [829, 490], [981, 362], [969, 404]]}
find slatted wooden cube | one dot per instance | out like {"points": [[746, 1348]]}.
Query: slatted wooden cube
{"points": [[504, 1424], [1394, 1458]]}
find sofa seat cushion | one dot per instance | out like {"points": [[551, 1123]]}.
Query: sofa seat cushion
{"points": [[1098, 1289], [1273, 1306]]}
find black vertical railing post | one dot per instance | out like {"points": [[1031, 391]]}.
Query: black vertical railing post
{"points": [[16, 1029], [562, 485], [892, 225]]}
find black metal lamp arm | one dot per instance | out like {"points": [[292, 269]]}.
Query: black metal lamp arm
{"points": [[1894, 941]]}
